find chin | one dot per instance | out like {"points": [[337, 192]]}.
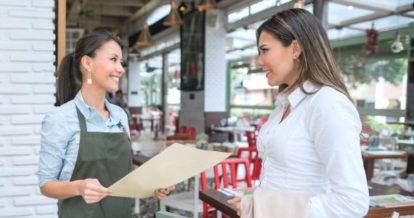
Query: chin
{"points": [[112, 89], [272, 83]]}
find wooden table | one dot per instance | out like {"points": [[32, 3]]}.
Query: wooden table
{"points": [[370, 157], [219, 200], [387, 212], [234, 132]]}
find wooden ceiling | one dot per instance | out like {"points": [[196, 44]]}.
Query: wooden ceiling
{"points": [[102, 14]]}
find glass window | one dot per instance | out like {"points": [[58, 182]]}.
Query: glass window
{"points": [[382, 4], [386, 23], [158, 14], [339, 13], [335, 34], [262, 5], [237, 15], [377, 82]]}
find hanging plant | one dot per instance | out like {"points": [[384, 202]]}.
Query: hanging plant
{"points": [[371, 47]]}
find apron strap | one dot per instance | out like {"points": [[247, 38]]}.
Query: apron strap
{"points": [[82, 122]]}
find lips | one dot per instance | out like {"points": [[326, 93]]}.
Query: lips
{"points": [[116, 78], [267, 72]]}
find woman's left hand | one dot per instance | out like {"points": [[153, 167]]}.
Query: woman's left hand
{"points": [[163, 192]]}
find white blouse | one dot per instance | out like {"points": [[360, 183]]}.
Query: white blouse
{"points": [[315, 150]]}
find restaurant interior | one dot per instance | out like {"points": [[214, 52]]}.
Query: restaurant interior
{"points": [[192, 78]]}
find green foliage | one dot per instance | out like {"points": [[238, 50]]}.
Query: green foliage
{"points": [[362, 69], [378, 126], [358, 67]]}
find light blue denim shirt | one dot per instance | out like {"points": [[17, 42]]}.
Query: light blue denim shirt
{"points": [[59, 143]]}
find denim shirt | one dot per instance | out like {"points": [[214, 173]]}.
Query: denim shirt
{"points": [[60, 134]]}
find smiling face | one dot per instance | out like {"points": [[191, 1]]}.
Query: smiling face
{"points": [[106, 67], [276, 60]]}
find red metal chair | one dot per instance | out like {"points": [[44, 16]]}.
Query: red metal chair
{"points": [[192, 133], [184, 133], [252, 155], [221, 179], [261, 121], [183, 129], [251, 138]]}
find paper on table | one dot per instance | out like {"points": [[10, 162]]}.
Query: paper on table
{"points": [[175, 164]]}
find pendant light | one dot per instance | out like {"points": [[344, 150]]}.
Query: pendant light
{"points": [[397, 46], [173, 18], [134, 54], [144, 38], [206, 5], [299, 4]]}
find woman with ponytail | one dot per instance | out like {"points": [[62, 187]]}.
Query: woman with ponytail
{"points": [[85, 143]]}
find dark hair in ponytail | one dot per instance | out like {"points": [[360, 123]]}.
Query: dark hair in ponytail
{"points": [[69, 73]]}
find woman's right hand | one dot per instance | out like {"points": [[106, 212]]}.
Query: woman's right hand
{"points": [[92, 191], [235, 203]]}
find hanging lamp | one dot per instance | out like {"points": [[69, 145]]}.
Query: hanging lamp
{"points": [[397, 46], [299, 4], [173, 18], [206, 5], [134, 54], [144, 38]]}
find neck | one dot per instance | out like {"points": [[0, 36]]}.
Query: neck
{"points": [[93, 97]]}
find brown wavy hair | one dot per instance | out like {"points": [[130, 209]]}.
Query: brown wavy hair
{"points": [[316, 61]]}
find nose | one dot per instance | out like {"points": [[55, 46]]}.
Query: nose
{"points": [[260, 61], [121, 69]]}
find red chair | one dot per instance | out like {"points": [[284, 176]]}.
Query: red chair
{"points": [[252, 155], [261, 121], [192, 133], [221, 180], [183, 129], [184, 133], [252, 138]]}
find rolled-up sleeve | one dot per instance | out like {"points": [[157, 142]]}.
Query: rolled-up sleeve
{"points": [[335, 126], [54, 140]]}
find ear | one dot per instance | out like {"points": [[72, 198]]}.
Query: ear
{"points": [[86, 63], [296, 49]]}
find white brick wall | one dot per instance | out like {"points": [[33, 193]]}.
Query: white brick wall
{"points": [[27, 85]]}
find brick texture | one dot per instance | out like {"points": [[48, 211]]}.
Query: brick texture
{"points": [[27, 87]]}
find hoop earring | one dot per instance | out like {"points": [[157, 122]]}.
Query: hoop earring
{"points": [[89, 80]]}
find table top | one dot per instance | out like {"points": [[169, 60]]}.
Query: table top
{"points": [[384, 154], [408, 122], [219, 201], [233, 128], [405, 142]]}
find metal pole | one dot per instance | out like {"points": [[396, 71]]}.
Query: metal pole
{"points": [[320, 10]]}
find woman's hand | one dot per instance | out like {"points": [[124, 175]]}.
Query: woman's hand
{"points": [[92, 191], [163, 192], [235, 203]]}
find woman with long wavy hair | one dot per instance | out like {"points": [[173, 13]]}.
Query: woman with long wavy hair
{"points": [[310, 144]]}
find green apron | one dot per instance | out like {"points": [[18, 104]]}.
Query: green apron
{"points": [[106, 157]]}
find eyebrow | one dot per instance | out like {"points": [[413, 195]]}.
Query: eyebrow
{"points": [[262, 46]]}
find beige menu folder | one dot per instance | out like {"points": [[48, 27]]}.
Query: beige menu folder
{"points": [[175, 164]]}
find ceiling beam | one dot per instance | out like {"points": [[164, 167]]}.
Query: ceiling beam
{"points": [[258, 16], [93, 22], [146, 9], [126, 3], [363, 6], [106, 10], [399, 11]]}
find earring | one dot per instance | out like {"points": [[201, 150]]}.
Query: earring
{"points": [[89, 80]]}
